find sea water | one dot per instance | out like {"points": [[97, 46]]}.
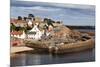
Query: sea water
{"points": [[31, 58]]}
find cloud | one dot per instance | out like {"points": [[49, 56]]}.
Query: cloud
{"points": [[33, 3], [43, 8]]}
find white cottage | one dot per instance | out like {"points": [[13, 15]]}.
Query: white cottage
{"points": [[18, 34], [30, 23], [23, 36], [35, 33]]}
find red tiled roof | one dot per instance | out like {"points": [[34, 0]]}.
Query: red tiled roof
{"points": [[13, 20], [16, 33]]}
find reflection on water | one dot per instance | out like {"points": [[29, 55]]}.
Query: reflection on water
{"points": [[31, 58], [38, 59]]}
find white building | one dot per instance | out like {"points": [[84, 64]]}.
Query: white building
{"points": [[18, 34], [30, 23], [35, 33]]}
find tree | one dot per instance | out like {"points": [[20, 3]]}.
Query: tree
{"points": [[45, 20], [50, 22], [30, 16], [19, 18], [25, 18], [12, 27]]}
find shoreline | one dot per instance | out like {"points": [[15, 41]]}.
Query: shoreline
{"points": [[16, 49]]}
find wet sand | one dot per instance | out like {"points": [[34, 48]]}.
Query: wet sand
{"points": [[19, 49]]}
